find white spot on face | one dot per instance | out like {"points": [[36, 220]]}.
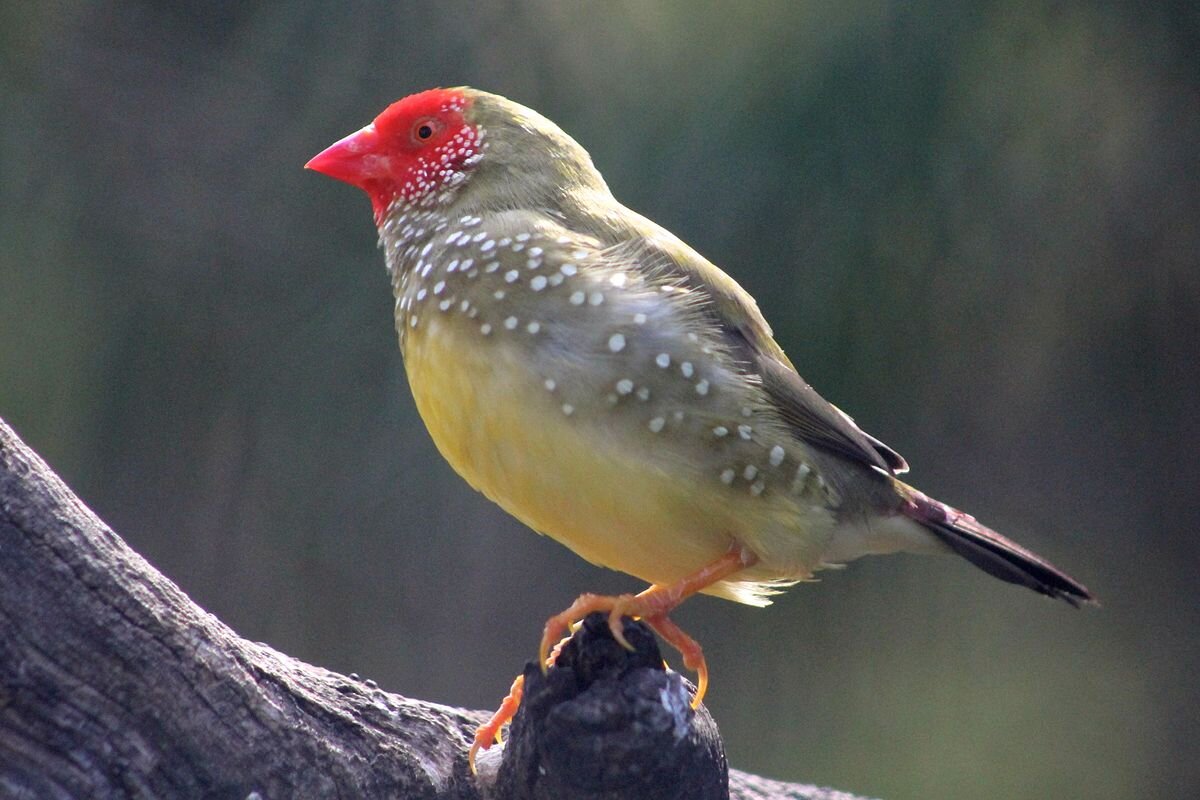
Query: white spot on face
{"points": [[744, 432], [727, 476], [702, 387], [720, 431], [577, 298], [776, 457], [534, 326], [663, 360], [749, 472], [616, 342], [510, 276], [538, 283], [624, 386], [510, 323], [549, 384], [655, 425], [686, 369]]}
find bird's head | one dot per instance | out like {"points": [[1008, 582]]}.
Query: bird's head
{"points": [[420, 150], [416, 149]]}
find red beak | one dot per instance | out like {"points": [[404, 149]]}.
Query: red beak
{"points": [[354, 159]]}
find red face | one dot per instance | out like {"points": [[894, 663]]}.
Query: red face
{"points": [[415, 148]]}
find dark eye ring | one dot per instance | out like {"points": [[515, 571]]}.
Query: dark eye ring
{"points": [[424, 131]]}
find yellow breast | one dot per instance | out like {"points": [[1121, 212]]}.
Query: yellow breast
{"points": [[506, 433]]}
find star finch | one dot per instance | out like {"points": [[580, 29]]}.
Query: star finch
{"points": [[611, 388]]}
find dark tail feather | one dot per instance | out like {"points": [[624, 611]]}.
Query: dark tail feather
{"points": [[994, 554]]}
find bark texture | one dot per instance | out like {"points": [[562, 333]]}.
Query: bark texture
{"points": [[114, 684]]}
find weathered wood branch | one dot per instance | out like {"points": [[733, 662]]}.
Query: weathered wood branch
{"points": [[114, 684]]}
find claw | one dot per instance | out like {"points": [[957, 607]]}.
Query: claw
{"points": [[489, 732]]}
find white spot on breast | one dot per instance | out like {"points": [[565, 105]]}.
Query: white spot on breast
{"points": [[498, 294], [702, 387], [776, 457], [757, 487], [720, 431], [618, 280], [624, 386], [510, 276], [534, 326], [485, 329], [655, 425], [744, 431], [492, 266], [568, 269], [445, 304], [595, 299], [568, 409], [749, 472], [643, 393], [538, 283], [577, 298], [421, 294], [663, 360], [686, 369], [487, 246], [510, 323], [616, 342], [439, 287], [727, 476], [639, 319], [534, 252], [549, 384], [522, 237]]}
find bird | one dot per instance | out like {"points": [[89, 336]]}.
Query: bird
{"points": [[611, 388]]}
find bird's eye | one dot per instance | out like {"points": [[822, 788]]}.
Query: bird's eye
{"points": [[424, 130]]}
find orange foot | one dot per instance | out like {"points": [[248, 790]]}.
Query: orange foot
{"points": [[651, 605]]}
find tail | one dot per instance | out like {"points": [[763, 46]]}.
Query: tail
{"points": [[991, 552]]}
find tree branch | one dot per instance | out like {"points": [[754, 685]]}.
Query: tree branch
{"points": [[114, 684]]}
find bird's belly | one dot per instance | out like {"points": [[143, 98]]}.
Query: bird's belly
{"points": [[594, 487]]}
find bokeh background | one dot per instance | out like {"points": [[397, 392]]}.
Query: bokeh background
{"points": [[975, 226]]}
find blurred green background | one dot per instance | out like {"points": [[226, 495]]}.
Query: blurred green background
{"points": [[974, 226]]}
